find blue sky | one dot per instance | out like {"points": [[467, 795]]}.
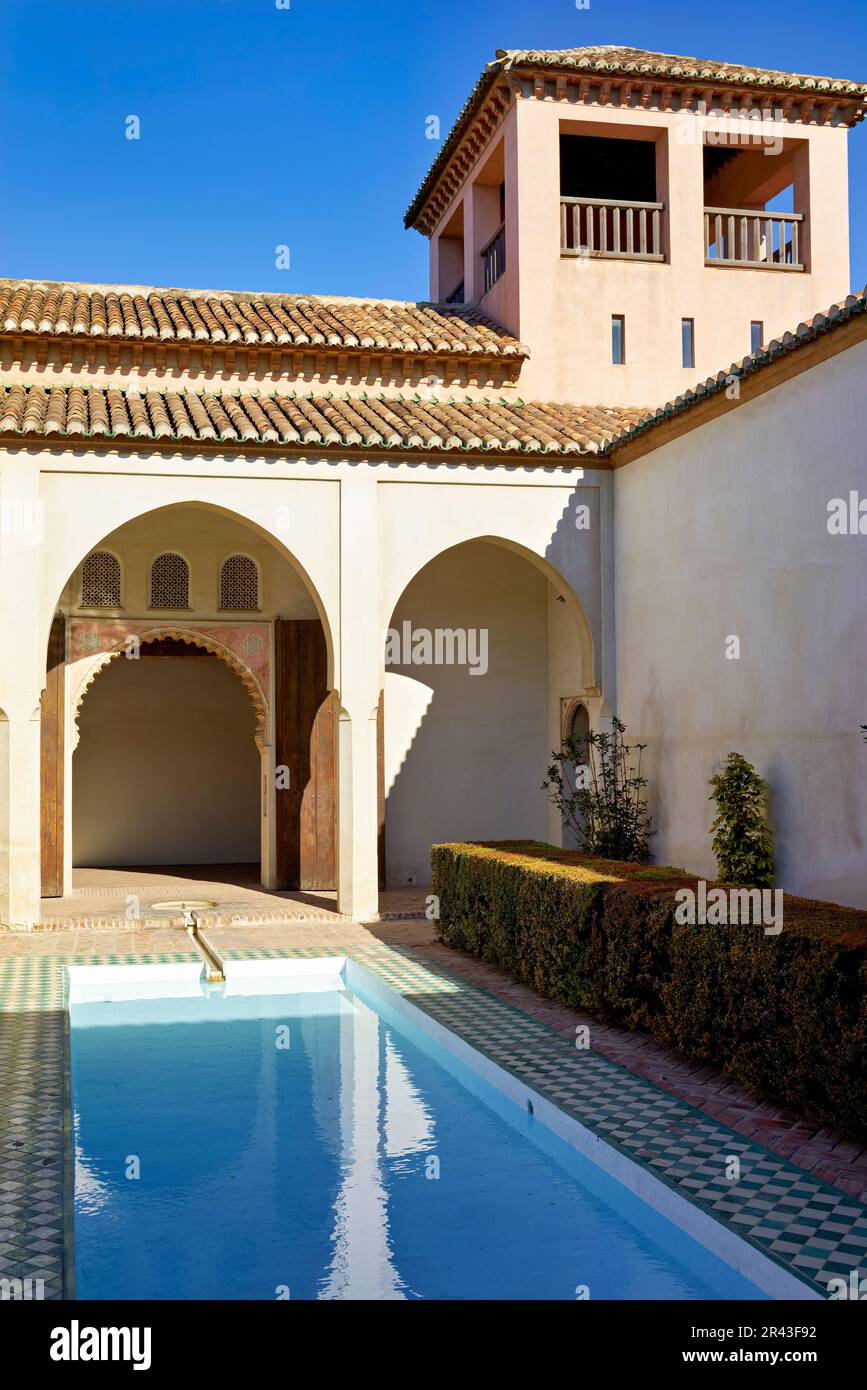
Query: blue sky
{"points": [[305, 126]]}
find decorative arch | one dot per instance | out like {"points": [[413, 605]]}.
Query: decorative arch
{"points": [[193, 639], [572, 708], [239, 572], [167, 568], [63, 558], [102, 566]]}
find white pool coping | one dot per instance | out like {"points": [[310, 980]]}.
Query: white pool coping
{"points": [[115, 983]]}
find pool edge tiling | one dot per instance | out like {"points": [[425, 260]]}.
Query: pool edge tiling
{"points": [[807, 1227]]}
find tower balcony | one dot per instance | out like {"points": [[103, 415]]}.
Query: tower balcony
{"points": [[753, 239]]}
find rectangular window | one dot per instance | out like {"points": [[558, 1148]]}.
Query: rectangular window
{"points": [[757, 335], [687, 341], [618, 339]]}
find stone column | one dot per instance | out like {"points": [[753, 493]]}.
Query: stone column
{"points": [[22, 675], [359, 679], [19, 815]]}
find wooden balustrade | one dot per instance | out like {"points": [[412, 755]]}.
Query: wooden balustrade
{"points": [[739, 237], [604, 227], [494, 258]]}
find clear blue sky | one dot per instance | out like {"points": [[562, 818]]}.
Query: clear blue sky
{"points": [[305, 127]]}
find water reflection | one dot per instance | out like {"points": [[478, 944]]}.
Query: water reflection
{"points": [[381, 1115]]}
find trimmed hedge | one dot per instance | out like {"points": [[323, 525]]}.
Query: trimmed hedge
{"points": [[785, 1015]]}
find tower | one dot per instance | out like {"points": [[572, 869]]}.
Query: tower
{"points": [[639, 220]]}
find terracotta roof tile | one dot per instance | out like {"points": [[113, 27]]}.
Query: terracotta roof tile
{"points": [[614, 60], [393, 422], [618, 58], [820, 324], [217, 316]]}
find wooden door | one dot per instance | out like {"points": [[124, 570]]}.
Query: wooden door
{"points": [[51, 763], [306, 743]]}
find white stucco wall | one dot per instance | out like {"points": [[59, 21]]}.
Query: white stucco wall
{"points": [[166, 770], [722, 533], [465, 754]]}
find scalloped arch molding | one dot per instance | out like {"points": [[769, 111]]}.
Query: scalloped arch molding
{"points": [[195, 639]]}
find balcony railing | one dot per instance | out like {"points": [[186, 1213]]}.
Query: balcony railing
{"points": [[494, 257], [457, 294], [604, 227], [768, 240]]}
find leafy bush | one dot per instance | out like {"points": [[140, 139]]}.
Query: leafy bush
{"points": [[606, 809], [784, 1015], [744, 842]]}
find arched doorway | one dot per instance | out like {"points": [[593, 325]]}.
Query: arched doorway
{"points": [[191, 719], [166, 770], [480, 646]]}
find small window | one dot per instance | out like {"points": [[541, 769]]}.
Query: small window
{"points": [[170, 582], [100, 581], [757, 335], [687, 341], [618, 339], [239, 584]]}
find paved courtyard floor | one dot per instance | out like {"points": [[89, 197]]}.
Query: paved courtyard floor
{"points": [[802, 1197], [125, 898]]}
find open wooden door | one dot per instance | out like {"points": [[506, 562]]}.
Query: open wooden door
{"points": [[51, 763], [306, 743]]}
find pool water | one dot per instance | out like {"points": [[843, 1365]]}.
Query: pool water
{"points": [[298, 1144]]}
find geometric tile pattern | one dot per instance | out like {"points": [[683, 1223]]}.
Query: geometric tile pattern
{"points": [[35, 1162], [807, 1226]]}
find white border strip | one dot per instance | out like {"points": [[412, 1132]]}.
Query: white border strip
{"points": [[313, 976], [109, 983]]}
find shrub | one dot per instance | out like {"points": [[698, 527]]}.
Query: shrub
{"points": [[607, 813], [744, 842], [784, 1015]]}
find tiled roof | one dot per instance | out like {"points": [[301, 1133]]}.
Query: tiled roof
{"points": [[778, 348], [637, 63], [616, 58], [343, 422], [139, 312]]}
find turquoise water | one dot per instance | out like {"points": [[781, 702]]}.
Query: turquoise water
{"points": [[303, 1146]]}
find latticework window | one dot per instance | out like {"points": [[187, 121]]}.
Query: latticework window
{"points": [[170, 582], [100, 581], [239, 584]]}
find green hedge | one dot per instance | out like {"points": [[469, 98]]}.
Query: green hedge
{"points": [[785, 1015]]}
